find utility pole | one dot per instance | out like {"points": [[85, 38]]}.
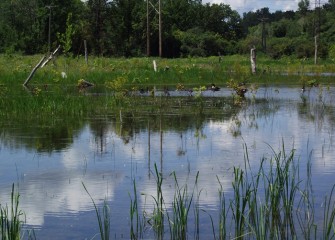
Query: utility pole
{"points": [[263, 20], [317, 22], [159, 12], [148, 30], [49, 34], [160, 28]]}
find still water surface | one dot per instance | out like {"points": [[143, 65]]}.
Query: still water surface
{"points": [[50, 165]]}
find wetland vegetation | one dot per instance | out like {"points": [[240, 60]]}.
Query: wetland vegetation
{"points": [[191, 146], [274, 198]]}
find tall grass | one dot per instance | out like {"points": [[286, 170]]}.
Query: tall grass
{"points": [[262, 205], [222, 212], [137, 224], [271, 203], [180, 209], [329, 216], [156, 219], [139, 71], [104, 218], [10, 219]]}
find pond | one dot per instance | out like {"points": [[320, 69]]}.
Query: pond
{"points": [[51, 164]]}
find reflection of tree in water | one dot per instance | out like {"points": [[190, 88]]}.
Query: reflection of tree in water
{"points": [[99, 128], [181, 149], [54, 134], [251, 113], [42, 135], [316, 111]]}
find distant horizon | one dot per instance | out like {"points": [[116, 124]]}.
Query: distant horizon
{"points": [[242, 6]]}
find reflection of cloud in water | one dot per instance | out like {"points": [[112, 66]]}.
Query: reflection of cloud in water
{"points": [[52, 192], [207, 186], [57, 189]]}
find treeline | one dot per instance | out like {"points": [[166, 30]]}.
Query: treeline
{"points": [[189, 28]]}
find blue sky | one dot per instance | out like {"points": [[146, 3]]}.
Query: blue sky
{"points": [[252, 5]]}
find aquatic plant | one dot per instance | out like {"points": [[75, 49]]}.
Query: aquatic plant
{"points": [[329, 216], [180, 209], [156, 219], [136, 223], [10, 218], [103, 218]]}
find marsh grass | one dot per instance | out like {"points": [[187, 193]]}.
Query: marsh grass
{"points": [[50, 94], [191, 72], [137, 224], [271, 203], [329, 216], [181, 206], [103, 218], [11, 219], [156, 219], [222, 212]]}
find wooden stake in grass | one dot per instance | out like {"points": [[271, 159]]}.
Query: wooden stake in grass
{"points": [[253, 59]]}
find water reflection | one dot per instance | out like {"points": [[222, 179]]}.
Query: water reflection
{"points": [[50, 159]]}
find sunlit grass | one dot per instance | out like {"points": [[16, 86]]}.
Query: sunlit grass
{"points": [[140, 71]]}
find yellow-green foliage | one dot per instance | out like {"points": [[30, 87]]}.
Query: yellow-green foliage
{"points": [[198, 90], [332, 52], [118, 84]]}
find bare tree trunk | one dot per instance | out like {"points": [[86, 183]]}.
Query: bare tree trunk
{"points": [[253, 59], [50, 57], [33, 71]]}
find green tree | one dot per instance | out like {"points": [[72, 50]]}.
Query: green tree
{"points": [[97, 16], [221, 19], [20, 26], [66, 38], [303, 7], [127, 27]]}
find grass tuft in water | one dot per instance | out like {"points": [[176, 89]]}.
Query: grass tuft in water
{"points": [[10, 222], [329, 216], [180, 209], [103, 219], [156, 220], [137, 225]]}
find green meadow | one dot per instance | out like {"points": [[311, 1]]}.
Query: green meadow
{"points": [[137, 72]]}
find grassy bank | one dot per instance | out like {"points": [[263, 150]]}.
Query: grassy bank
{"points": [[139, 72]]}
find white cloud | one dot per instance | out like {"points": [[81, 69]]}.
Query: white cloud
{"points": [[252, 5]]}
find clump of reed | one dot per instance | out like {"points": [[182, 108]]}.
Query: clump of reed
{"points": [[271, 203], [104, 218], [12, 219], [181, 206], [137, 224]]}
